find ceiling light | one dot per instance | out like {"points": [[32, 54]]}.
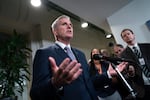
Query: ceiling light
{"points": [[36, 3], [84, 25], [108, 36]]}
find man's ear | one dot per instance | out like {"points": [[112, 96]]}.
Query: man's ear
{"points": [[55, 34]]}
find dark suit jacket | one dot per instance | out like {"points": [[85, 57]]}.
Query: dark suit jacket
{"points": [[42, 89], [137, 82]]}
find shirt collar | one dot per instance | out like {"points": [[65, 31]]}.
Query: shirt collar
{"points": [[135, 45], [62, 45]]}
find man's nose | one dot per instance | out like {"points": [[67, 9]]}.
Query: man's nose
{"points": [[69, 26]]}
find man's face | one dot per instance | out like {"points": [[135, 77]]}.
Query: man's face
{"points": [[64, 30], [118, 50], [128, 36]]}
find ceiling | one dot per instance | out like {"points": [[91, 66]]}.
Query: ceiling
{"points": [[93, 11]]}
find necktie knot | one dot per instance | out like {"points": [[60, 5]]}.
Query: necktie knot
{"points": [[66, 49]]}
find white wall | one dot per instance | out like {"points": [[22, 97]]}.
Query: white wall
{"points": [[132, 16]]}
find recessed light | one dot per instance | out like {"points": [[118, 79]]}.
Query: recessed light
{"points": [[84, 25], [108, 36], [36, 3]]}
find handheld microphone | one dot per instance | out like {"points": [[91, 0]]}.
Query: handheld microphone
{"points": [[111, 59]]}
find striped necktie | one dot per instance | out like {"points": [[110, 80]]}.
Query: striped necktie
{"points": [[137, 52], [70, 53], [144, 67]]}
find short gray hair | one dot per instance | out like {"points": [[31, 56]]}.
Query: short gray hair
{"points": [[55, 22]]}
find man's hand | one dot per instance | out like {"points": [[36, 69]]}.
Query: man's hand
{"points": [[65, 73], [119, 67]]}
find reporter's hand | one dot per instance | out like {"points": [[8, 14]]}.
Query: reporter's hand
{"points": [[65, 73], [119, 67], [122, 66]]}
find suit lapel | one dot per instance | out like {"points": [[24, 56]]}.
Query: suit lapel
{"points": [[78, 58], [76, 54], [131, 55], [60, 52]]}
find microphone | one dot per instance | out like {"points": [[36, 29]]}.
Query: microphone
{"points": [[115, 60]]}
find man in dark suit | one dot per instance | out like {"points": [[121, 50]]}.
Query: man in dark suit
{"points": [[60, 73], [141, 80]]}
